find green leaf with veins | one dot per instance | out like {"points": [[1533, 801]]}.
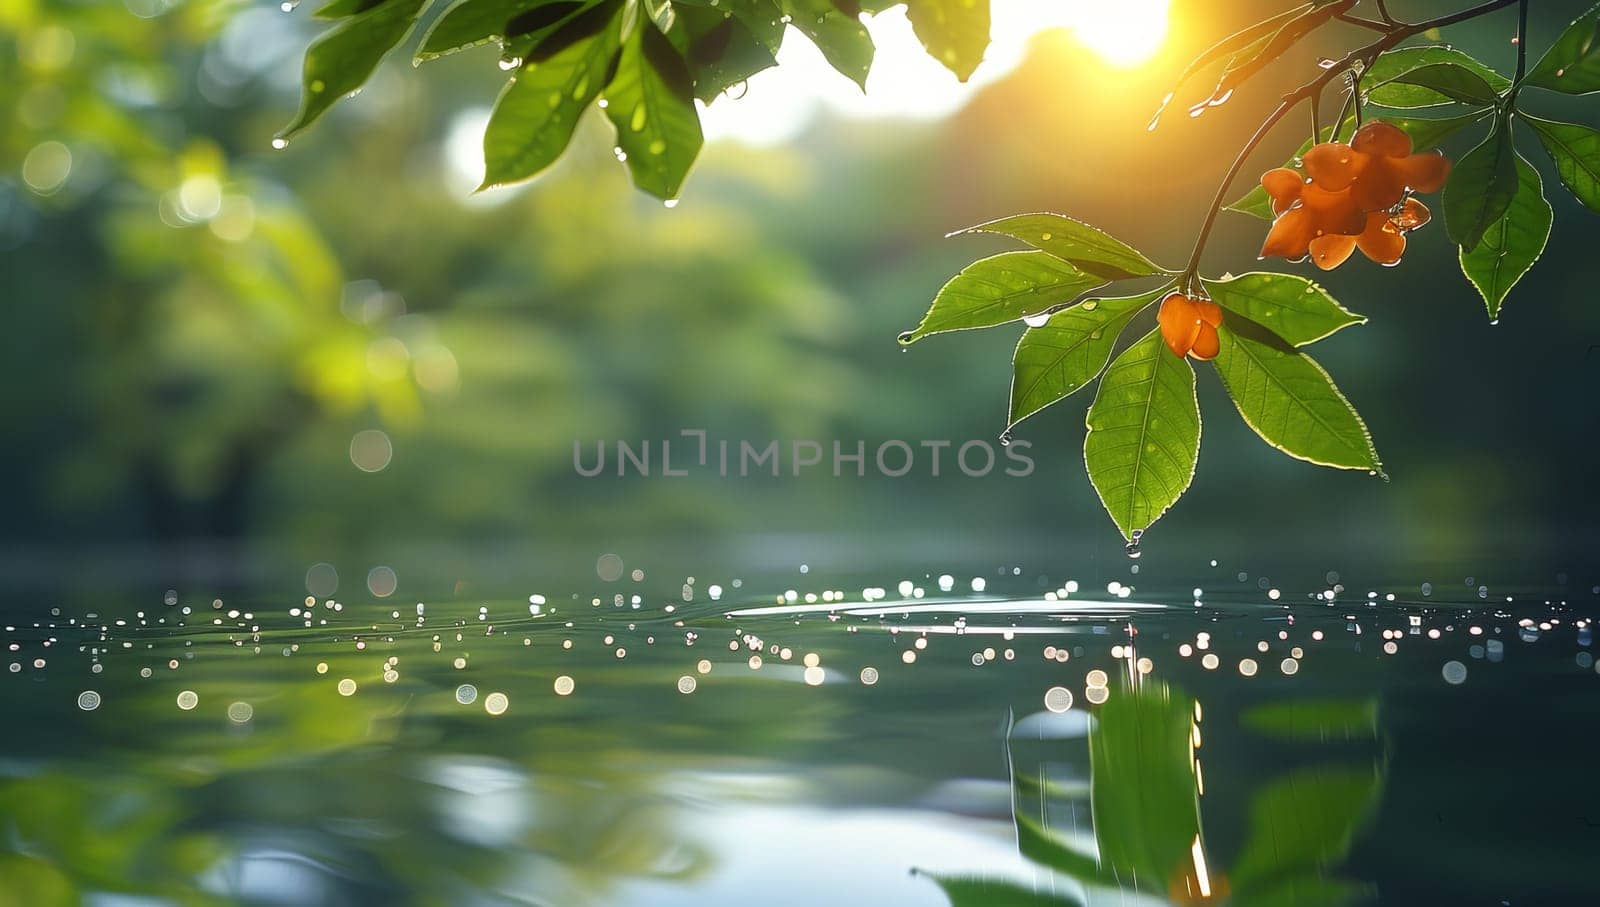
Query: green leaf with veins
{"points": [[342, 59], [841, 37], [1572, 64], [1000, 289], [1511, 244], [1061, 356], [1289, 400], [538, 110], [979, 891], [1144, 435], [1480, 187], [955, 32], [1292, 307], [1452, 81], [1576, 152], [1425, 134], [1381, 86], [650, 101], [1071, 240]]}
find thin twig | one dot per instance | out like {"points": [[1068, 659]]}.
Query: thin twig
{"points": [[1522, 41]]}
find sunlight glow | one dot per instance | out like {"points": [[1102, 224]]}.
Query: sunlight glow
{"points": [[1124, 32]]}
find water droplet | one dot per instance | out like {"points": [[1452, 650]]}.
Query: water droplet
{"points": [[1089, 305], [280, 143], [640, 115], [671, 203], [510, 62], [905, 337], [1036, 321]]}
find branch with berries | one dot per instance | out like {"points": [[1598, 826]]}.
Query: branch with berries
{"points": [[1351, 186]]}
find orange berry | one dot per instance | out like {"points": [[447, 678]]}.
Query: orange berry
{"points": [[1189, 325]]}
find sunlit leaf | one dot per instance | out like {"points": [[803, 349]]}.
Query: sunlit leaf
{"points": [[1511, 244], [955, 32], [1313, 719], [1061, 356], [974, 891], [841, 37], [342, 59], [1144, 434], [1481, 186], [650, 101], [1265, 47], [537, 112], [471, 23], [1304, 822], [1090, 249], [1001, 289], [1144, 799], [1289, 400], [339, 9], [1450, 80], [1576, 152], [1381, 85], [1296, 309], [29, 882], [1572, 64], [1236, 43]]}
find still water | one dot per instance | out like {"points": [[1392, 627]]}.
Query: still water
{"points": [[935, 739]]}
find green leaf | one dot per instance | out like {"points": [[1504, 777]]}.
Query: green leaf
{"points": [[650, 101], [1316, 720], [721, 50], [472, 23], [1451, 80], [1576, 152], [1292, 307], [1572, 64], [339, 9], [841, 37], [1092, 250], [1383, 88], [1304, 822], [1001, 289], [1146, 808], [1424, 133], [537, 112], [1243, 43], [972, 891], [955, 32], [1289, 400], [1144, 434], [1480, 187], [342, 59], [1061, 356], [1427, 134], [1511, 244]]}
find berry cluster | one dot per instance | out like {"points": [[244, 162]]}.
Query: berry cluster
{"points": [[1354, 196]]}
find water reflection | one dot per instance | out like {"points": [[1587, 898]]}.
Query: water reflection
{"points": [[1041, 751]]}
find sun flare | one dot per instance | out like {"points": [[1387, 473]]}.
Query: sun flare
{"points": [[1121, 32]]}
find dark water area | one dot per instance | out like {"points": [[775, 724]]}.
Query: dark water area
{"points": [[660, 739]]}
